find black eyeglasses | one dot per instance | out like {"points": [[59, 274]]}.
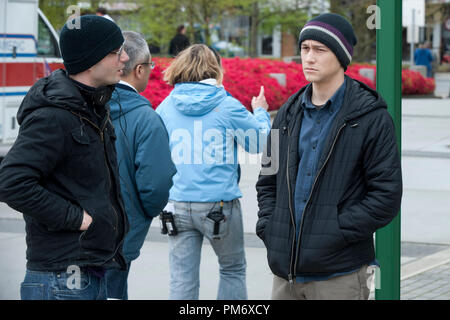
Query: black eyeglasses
{"points": [[119, 52], [152, 64]]}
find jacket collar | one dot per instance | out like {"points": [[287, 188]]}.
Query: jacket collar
{"points": [[332, 105], [126, 86], [358, 100]]}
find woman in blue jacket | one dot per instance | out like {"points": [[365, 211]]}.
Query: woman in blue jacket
{"points": [[205, 125]]}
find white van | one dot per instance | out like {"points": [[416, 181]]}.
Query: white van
{"points": [[29, 50]]}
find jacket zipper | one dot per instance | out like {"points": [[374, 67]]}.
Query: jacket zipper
{"points": [[290, 276], [312, 190], [116, 228], [110, 186], [100, 131]]}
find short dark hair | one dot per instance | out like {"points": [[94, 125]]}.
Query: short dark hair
{"points": [[101, 10], [180, 28], [86, 12]]}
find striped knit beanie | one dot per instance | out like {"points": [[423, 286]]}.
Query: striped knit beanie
{"points": [[335, 32]]}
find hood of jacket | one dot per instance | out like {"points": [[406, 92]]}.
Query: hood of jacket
{"points": [[123, 101], [57, 91], [196, 99], [360, 99]]}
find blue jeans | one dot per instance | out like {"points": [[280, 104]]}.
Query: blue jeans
{"points": [[185, 250], [39, 285], [117, 283]]}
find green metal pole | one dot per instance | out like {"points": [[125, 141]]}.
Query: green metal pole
{"points": [[389, 85]]}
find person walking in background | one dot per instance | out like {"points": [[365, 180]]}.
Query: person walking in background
{"points": [[62, 173], [424, 57], [143, 155], [205, 125], [339, 176], [101, 12], [179, 42]]}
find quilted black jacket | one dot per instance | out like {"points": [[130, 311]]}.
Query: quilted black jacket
{"points": [[357, 189], [64, 161]]}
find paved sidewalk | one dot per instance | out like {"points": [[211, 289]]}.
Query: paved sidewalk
{"points": [[442, 84], [431, 285], [149, 274]]}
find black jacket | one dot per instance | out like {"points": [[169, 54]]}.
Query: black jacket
{"points": [[357, 189], [64, 161], [177, 44]]}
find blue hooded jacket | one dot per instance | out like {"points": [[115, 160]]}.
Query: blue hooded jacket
{"points": [[145, 165], [205, 125]]}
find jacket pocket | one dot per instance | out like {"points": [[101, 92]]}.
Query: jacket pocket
{"points": [[323, 232], [80, 135], [343, 241], [88, 230], [101, 234], [344, 206], [85, 164], [264, 234]]}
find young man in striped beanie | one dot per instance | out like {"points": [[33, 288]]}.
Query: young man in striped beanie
{"points": [[339, 177]]}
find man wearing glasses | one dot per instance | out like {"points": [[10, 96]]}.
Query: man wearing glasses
{"points": [[143, 154], [62, 172]]}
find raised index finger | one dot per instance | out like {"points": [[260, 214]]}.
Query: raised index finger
{"points": [[261, 93]]}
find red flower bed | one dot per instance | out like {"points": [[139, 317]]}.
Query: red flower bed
{"points": [[157, 90], [414, 83], [353, 72], [244, 77]]}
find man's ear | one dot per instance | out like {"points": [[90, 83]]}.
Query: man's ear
{"points": [[138, 71]]}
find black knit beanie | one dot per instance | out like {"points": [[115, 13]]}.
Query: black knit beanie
{"points": [[83, 47], [335, 32]]}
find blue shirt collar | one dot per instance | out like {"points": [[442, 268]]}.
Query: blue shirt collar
{"points": [[334, 102]]}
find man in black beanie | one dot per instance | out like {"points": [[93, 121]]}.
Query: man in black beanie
{"points": [[62, 173], [339, 176]]}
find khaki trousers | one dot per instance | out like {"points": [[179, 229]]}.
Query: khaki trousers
{"points": [[351, 286]]}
